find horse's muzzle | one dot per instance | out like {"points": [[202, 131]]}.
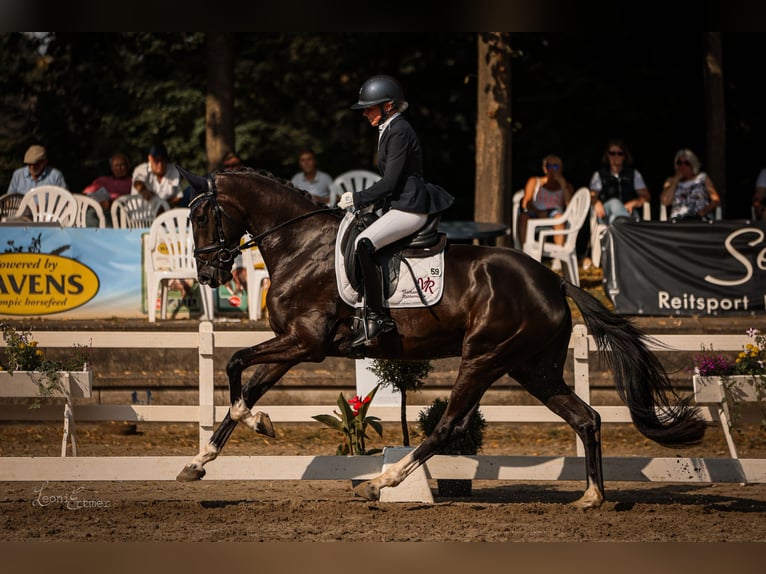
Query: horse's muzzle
{"points": [[213, 276]]}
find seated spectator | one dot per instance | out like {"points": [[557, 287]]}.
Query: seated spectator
{"points": [[36, 172], [617, 189], [107, 188], [689, 192], [316, 182], [546, 196], [759, 196], [158, 178], [232, 160]]}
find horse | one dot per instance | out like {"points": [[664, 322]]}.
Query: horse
{"points": [[502, 312]]}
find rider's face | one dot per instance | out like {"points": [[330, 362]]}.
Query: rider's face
{"points": [[373, 114]]}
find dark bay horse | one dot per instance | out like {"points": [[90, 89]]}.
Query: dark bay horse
{"points": [[502, 313]]}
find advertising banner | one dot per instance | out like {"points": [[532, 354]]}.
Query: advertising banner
{"points": [[685, 268], [87, 273]]}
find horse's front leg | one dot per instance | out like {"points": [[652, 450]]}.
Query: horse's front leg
{"points": [[264, 377]]}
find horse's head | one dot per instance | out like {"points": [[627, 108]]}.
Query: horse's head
{"points": [[216, 232]]}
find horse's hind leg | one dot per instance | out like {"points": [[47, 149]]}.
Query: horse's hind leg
{"points": [[586, 422], [463, 401]]}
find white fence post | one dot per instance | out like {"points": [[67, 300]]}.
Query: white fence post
{"points": [[581, 372], [206, 382]]}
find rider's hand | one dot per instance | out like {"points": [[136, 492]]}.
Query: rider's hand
{"points": [[346, 200]]}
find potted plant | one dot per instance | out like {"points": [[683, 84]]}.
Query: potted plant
{"points": [[467, 443], [717, 378], [402, 376], [26, 372]]}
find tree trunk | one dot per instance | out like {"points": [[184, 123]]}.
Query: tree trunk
{"points": [[219, 103], [403, 413], [715, 114], [493, 131]]}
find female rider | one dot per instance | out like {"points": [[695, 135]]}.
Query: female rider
{"points": [[407, 199]]}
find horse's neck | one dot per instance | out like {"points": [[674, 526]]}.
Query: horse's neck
{"points": [[294, 245]]}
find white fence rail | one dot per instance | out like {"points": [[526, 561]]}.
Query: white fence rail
{"points": [[207, 414]]}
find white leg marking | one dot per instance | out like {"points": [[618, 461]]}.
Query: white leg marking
{"points": [[397, 472], [205, 456]]}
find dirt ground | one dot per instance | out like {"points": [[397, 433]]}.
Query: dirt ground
{"points": [[323, 511]]}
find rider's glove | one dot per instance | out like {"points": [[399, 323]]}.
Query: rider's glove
{"points": [[346, 200]]}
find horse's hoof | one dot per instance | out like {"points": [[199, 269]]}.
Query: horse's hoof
{"points": [[263, 424], [587, 503], [367, 490], [190, 473]]}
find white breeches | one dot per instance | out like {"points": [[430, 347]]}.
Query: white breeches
{"points": [[392, 226]]}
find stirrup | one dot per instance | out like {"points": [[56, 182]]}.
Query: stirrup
{"points": [[373, 325]]}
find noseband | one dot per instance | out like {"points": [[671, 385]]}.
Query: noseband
{"points": [[225, 255]]}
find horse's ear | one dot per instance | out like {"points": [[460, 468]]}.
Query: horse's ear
{"points": [[198, 183]]}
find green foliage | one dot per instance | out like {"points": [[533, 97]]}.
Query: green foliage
{"points": [[468, 442], [351, 423], [401, 375], [22, 354]]}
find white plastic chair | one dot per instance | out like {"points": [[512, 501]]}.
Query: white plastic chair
{"points": [[169, 254], [9, 204], [134, 212], [517, 197], [257, 281], [574, 217], [49, 203], [354, 180], [84, 203]]}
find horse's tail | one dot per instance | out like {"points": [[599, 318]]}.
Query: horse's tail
{"points": [[640, 378]]}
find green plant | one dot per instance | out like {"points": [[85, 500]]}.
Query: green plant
{"points": [[21, 353], [466, 442], [402, 376], [352, 422]]}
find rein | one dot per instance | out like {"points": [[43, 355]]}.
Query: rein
{"points": [[227, 254]]}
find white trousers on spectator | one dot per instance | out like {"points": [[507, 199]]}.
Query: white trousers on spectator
{"points": [[391, 226]]}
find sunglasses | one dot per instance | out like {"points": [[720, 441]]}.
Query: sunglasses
{"points": [[552, 165], [682, 162], [616, 153]]}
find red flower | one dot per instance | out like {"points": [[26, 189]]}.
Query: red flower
{"points": [[357, 403]]}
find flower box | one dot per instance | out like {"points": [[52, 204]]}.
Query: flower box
{"points": [[740, 388], [75, 384]]}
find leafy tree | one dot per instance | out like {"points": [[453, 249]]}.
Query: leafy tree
{"points": [[402, 376]]}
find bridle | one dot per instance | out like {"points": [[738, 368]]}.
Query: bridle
{"points": [[225, 255]]}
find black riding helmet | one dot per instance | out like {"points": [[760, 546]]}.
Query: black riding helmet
{"points": [[377, 90]]}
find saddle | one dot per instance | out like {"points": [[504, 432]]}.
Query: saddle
{"points": [[425, 242]]}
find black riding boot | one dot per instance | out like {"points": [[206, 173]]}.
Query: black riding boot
{"points": [[377, 320]]}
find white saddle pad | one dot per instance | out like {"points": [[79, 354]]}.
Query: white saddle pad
{"points": [[424, 283]]}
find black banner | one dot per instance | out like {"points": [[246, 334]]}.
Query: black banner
{"points": [[685, 268]]}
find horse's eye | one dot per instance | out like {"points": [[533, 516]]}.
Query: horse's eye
{"points": [[202, 220]]}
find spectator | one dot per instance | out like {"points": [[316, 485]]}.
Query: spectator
{"points": [[759, 196], [689, 192], [546, 196], [232, 160], [36, 172], [107, 188], [617, 189], [316, 182], [158, 178]]}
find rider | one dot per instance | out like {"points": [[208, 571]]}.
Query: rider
{"points": [[407, 199]]}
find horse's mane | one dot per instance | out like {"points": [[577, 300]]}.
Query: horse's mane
{"points": [[268, 175]]}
